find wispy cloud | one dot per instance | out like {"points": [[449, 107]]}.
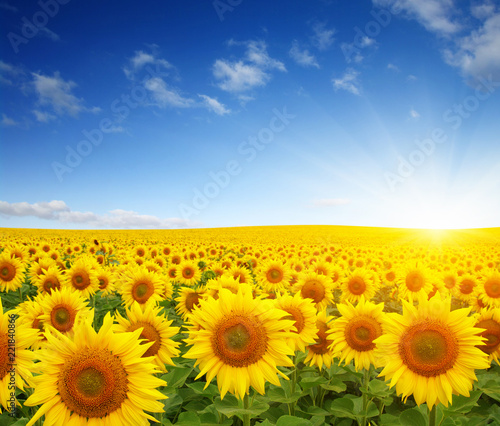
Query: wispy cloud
{"points": [[323, 36], [414, 114], [302, 56], [43, 116], [140, 59], [57, 93], [250, 72], [164, 95], [8, 122], [59, 211], [214, 105], [349, 81], [329, 202], [393, 67], [9, 74]]}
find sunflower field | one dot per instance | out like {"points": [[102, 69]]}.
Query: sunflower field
{"points": [[284, 325]]}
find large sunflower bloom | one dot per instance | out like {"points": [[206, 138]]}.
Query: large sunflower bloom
{"points": [[142, 286], [188, 273], [303, 312], [11, 272], [96, 378], [240, 340], [489, 289], [354, 332], [274, 276], [155, 328], [16, 360], [431, 352], [316, 287], [415, 282], [49, 279]]}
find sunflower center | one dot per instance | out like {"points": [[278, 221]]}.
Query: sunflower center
{"points": [[7, 272], [141, 291], [192, 300], [492, 334], [466, 286], [274, 275], [239, 340], [390, 276], [149, 333], [297, 316], [313, 289], [356, 285], [103, 283], [50, 285], [428, 349], [449, 282], [187, 273], [414, 281], [62, 317], [4, 355], [93, 383], [492, 287], [361, 331], [81, 280], [322, 343]]}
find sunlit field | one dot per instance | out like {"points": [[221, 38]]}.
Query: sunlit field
{"points": [[285, 325]]}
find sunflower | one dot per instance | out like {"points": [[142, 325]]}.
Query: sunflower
{"points": [[316, 287], [274, 276], [188, 273], [155, 328], [142, 286], [303, 312], [489, 320], [353, 333], [29, 313], [97, 378], [243, 275], [320, 352], [18, 251], [187, 300], [62, 309], [430, 352], [240, 340], [16, 360], [489, 289], [106, 281], [415, 282], [466, 285], [50, 279], [82, 276], [11, 272], [359, 283]]}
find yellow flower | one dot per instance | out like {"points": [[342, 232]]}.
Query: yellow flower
{"points": [[11, 272], [489, 289], [187, 300], [316, 287], [188, 273], [96, 378], [274, 276], [82, 276], [49, 279], [359, 283], [142, 286], [431, 352], [240, 340], [489, 320], [320, 353]]}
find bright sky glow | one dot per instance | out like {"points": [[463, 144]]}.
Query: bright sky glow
{"points": [[210, 114]]}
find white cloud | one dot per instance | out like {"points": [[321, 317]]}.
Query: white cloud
{"points": [[9, 73], [115, 219], [349, 81], [141, 59], [49, 34], [483, 11], [246, 73], [302, 56], [214, 105], [7, 121], [414, 114], [43, 117], [328, 202], [164, 95], [323, 37], [392, 67], [478, 54], [57, 93], [434, 15], [411, 77]]}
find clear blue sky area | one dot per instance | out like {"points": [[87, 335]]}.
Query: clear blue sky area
{"points": [[173, 114]]}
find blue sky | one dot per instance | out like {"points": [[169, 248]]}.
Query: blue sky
{"points": [[234, 112]]}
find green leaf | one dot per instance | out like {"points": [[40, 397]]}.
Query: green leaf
{"points": [[279, 395], [309, 382], [210, 391], [462, 404], [188, 418], [229, 407], [172, 402], [264, 423], [389, 420], [412, 417], [177, 377], [342, 407], [292, 421], [335, 385], [317, 411], [492, 389]]}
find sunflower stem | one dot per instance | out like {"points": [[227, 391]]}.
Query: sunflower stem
{"points": [[246, 406], [291, 406], [366, 380], [432, 416]]}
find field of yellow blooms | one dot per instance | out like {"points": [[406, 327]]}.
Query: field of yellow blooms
{"points": [[284, 325]]}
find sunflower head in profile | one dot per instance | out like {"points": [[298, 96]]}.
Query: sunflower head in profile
{"points": [[142, 286], [355, 330], [316, 287], [155, 329], [489, 321], [21, 357], [359, 283], [320, 353], [63, 309], [11, 272], [96, 378], [241, 340], [303, 313], [82, 276], [431, 352]]}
